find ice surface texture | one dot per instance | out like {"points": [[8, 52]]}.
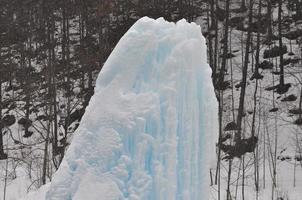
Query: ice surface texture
{"points": [[149, 131]]}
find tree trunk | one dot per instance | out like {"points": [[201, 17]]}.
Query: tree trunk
{"points": [[225, 43], [244, 76], [280, 43], [1, 135], [269, 20]]}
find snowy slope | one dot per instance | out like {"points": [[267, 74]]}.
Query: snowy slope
{"points": [[275, 129], [149, 131]]}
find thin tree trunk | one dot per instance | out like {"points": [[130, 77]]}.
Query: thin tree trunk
{"points": [[215, 60], [225, 43], [244, 76], [280, 43], [255, 98], [269, 19], [1, 136]]}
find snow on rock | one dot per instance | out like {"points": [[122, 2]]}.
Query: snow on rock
{"points": [[149, 131]]}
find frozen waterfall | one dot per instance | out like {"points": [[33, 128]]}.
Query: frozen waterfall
{"points": [[149, 131]]}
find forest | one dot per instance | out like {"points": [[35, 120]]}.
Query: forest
{"points": [[51, 52]]}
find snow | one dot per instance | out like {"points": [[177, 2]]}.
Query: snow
{"points": [[16, 187], [150, 129], [39, 195]]}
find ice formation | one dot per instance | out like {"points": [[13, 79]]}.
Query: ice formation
{"points": [[149, 131]]}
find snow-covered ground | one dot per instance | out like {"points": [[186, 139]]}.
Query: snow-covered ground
{"points": [[271, 127]]}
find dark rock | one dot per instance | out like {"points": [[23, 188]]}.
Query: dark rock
{"points": [[28, 134], [276, 72], [293, 35], [284, 158], [297, 16], [298, 121], [291, 61], [5, 104], [225, 138], [266, 65], [257, 76], [232, 126], [274, 110], [223, 85], [12, 106], [34, 110], [289, 98], [42, 117], [287, 158], [3, 156], [220, 14], [229, 55], [270, 88], [242, 9], [76, 115], [295, 111], [17, 142], [269, 40], [234, 21], [7, 121], [281, 89], [240, 148], [239, 85], [275, 52], [298, 158], [26, 123]]}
